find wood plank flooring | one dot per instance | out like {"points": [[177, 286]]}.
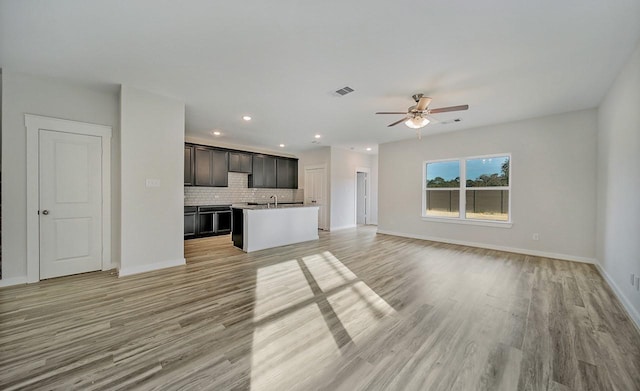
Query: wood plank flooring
{"points": [[352, 311]]}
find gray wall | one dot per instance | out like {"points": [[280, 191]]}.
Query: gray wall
{"points": [[54, 98], [553, 176], [152, 148], [618, 244]]}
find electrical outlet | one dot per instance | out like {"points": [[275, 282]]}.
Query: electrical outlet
{"points": [[638, 284], [535, 236], [633, 279]]}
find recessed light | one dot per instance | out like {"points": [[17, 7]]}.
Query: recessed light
{"points": [[246, 118], [317, 136], [216, 133], [281, 145], [369, 149]]}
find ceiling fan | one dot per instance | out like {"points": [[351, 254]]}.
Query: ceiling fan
{"points": [[419, 115]]}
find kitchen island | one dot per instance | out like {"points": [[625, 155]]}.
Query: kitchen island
{"points": [[258, 227]]}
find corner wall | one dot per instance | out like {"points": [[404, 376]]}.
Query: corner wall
{"points": [[341, 182], [618, 220], [152, 149], [553, 180], [54, 98], [343, 186]]}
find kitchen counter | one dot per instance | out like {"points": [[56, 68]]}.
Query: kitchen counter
{"points": [[258, 227], [271, 206]]}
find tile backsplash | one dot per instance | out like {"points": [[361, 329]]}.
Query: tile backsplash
{"points": [[237, 192]]}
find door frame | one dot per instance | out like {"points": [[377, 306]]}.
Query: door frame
{"points": [[326, 191], [33, 124], [367, 204]]}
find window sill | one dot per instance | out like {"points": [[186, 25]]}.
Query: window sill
{"points": [[495, 224]]}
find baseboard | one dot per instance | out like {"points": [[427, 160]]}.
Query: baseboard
{"points": [[516, 250], [340, 228], [127, 271], [631, 311], [13, 281]]}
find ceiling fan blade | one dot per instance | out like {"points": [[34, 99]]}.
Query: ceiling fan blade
{"points": [[447, 109], [432, 119], [423, 103], [391, 112], [397, 122]]}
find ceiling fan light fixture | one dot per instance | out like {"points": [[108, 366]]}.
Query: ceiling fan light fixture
{"points": [[416, 122]]}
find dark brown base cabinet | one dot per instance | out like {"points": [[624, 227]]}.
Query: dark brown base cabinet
{"points": [[190, 222], [203, 221]]}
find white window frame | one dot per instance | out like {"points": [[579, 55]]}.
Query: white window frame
{"points": [[462, 219]]}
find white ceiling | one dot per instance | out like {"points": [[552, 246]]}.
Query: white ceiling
{"points": [[280, 61]]}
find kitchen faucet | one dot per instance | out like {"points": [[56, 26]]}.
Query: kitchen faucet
{"points": [[275, 197]]}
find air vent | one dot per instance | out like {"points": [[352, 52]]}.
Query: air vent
{"points": [[451, 121], [344, 91]]}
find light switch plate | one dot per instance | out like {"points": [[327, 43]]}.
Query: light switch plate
{"points": [[153, 182]]}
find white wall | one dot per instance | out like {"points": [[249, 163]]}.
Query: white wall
{"points": [[373, 212], [152, 148], [343, 185], [54, 98], [618, 244], [553, 176], [315, 157]]}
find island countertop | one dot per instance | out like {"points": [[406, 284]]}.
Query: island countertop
{"points": [[272, 206]]}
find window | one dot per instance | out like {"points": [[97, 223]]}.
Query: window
{"points": [[475, 188], [443, 189]]}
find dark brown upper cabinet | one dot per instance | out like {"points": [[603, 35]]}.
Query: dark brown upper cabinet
{"points": [[211, 167], [286, 173], [188, 165], [240, 162], [264, 172]]}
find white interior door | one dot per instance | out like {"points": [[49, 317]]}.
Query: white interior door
{"points": [[315, 183], [361, 198], [70, 203]]}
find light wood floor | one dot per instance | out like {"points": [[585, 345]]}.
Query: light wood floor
{"points": [[354, 310]]}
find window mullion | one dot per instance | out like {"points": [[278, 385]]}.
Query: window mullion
{"points": [[463, 189]]}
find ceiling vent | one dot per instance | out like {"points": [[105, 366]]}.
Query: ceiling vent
{"points": [[451, 121], [344, 91]]}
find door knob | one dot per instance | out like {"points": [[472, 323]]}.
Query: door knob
{"points": [[45, 212]]}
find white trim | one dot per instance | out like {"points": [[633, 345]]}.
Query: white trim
{"points": [[33, 124], [150, 267], [13, 281], [367, 206], [455, 220], [626, 304], [516, 250]]}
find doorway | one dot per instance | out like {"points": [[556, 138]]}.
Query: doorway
{"points": [[361, 198], [68, 197], [315, 191]]}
